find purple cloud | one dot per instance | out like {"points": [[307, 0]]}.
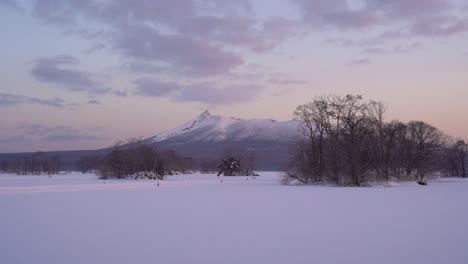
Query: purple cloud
{"points": [[12, 4], [194, 39], [402, 48], [54, 12], [50, 70], [94, 102], [440, 26], [408, 9], [375, 51], [13, 100], [57, 133], [242, 76], [41, 130], [359, 62], [144, 67], [210, 93], [336, 14], [155, 87], [241, 31], [408, 47], [58, 60], [206, 92], [275, 30], [174, 38], [239, 7], [189, 55], [70, 137], [14, 139], [120, 93], [369, 41], [397, 19], [187, 37], [341, 15], [286, 81], [60, 70]]}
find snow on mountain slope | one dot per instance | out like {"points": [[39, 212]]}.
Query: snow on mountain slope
{"points": [[211, 128]]}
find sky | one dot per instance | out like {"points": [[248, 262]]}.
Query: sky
{"points": [[82, 74]]}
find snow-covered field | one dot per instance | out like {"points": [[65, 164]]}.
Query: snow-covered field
{"points": [[197, 219]]}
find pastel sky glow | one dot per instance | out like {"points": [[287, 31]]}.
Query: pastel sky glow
{"points": [[82, 74]]}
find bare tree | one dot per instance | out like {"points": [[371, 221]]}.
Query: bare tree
{"points": [[357, 130], [89, 163], [334, 128], [341, 125], [394, 135], [208, 166], [425, 142], [456, 158], [299, 168], [346, 140], [385, 135], [313, 118], [462, 149]]}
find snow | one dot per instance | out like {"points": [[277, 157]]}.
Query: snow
{"points": [[77, 218], [207, 127]]}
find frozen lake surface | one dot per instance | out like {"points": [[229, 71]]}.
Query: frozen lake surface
{"points": [[77, 218]]}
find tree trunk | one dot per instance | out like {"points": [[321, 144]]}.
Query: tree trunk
{"points": [[463, 167]]}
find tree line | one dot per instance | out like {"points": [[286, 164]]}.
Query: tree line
{"points": [[36, 164], [346, 140], [135, 159]]}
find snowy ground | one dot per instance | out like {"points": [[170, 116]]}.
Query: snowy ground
{"points": [[197, 219]]}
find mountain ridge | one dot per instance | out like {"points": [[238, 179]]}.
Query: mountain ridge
{"points": [[207, 137], [214, 128]]}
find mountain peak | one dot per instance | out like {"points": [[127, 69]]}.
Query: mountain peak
{"points": [[212, 128], [204, 115]]}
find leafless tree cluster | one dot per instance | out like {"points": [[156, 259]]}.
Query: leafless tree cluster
{"points": [[36, 164], [345, 140], [229, 166], [208, 166], [89, 163], [136, 159], [175, 164], [456, 158], [237, 163], [244, 158]]}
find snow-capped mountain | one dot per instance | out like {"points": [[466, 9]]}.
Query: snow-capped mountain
{"points": [[212, 128], [207, 137]]}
